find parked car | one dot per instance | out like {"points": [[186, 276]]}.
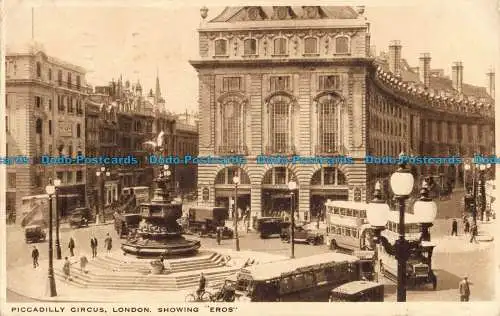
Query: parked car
{"points": [[301, 234], [204, 221], [268, 226], [34, 233], [80, 217]]}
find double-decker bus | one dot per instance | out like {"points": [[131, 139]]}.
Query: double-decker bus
{"points": [[419, 265], [297, 280], [347, 226]]}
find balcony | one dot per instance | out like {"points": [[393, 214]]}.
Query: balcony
{"points": [[280, 150], [232, 150], [330, 150], [71, 86]]}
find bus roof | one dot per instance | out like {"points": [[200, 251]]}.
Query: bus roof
{"points": [[34, 197], [355, 287], [348, 204], [344, 221], [271, 270], [136, 188]]}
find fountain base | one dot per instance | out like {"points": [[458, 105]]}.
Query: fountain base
{"points": [[174, 246]]}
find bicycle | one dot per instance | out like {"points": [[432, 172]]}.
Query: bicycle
{"points": [[204, 296]]}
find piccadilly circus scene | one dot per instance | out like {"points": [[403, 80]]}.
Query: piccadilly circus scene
{"points": [[191, 153]]}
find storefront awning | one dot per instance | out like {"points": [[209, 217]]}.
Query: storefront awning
{"points": [[231, 192]]}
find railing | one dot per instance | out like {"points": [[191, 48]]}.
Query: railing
{"points": [[280, 150], [68, 85], [330, 150], [232, 150]]}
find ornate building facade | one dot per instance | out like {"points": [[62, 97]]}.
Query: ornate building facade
{"points": [[301, 81], [45, 113]]}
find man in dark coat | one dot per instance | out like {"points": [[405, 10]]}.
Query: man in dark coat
{"points": [[219, 235], [454, 227], [108, 243], [71, 246], [34, 255], [93, 246], [464, 290], [202, 284], [473, 232]]}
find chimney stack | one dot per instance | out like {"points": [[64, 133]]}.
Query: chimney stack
{"points": [[424, 69], [457, 75], [395, 57], [491, 83]]}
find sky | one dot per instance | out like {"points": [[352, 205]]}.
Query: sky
{"points": [[139, 42]]}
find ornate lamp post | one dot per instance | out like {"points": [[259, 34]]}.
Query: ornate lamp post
{"points": [[482, 189], [402, 185], [50, 189], [101, 173], [57, 183], [292, 186], [236, 181]]}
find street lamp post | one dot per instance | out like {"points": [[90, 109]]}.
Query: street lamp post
{"points": [[50, 190], [236, 181], [57, 183], [292, 186], [482, 189], [101, 173], [402, 185]]}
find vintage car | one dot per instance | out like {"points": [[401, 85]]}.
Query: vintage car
{"points": [[268, 226], [34, 233], [126, 223], [204, 221], [301, 234], [80, 217], [358, 291]]}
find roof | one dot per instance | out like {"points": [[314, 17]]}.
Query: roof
{"points": [[275, 269], [355, 287], [348, 221], [348, 204], [233, 14]]}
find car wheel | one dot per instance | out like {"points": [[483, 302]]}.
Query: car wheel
{"points": [[311, 242]]}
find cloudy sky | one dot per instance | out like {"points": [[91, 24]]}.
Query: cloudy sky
{"points": [[109, 40]]}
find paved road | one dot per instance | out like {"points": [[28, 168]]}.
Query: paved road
{"points": [[450, 265]]}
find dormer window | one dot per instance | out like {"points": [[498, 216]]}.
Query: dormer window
{"points": [[281, 12], [280, 46], [253, 13], [342, 45], [310, 45], [250, 47], [221, 47], [311, 12]]}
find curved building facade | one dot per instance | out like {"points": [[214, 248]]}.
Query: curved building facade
{"points": [[284, 87]]}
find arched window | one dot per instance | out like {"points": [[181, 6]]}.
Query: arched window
{"points": [[280, 46], [250, 46], [232, 124], [330, 120], [280, 124], [310, 45], [39, 124], [342, 45], [220, 47]]}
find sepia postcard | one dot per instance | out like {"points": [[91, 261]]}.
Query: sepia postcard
{"points": [[318, 158]]}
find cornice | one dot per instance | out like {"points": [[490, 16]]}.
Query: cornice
{"points": [[304, 62]]}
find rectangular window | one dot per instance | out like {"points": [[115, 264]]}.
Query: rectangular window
{"points": [[279, 83], [11, 180], [69, 80], [342, 45], [221, 47], [38, 101], [69, 175], [59, 77], [310, 45], [50, 104], [50, 127], [280, 126], [78, 82], [50, 74], [79, 176], [331, 82], [250, 47], [231, 84], [280, 46], [60, 175], [6, 123]]}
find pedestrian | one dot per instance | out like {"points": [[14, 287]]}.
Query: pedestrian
{"points": [[473, 232], [466, 226], [454, 227], [464, 290], [83, 263], [108, 243], [34, 255], [218, 235], [93, 246], [71, 246], [66, 268]]}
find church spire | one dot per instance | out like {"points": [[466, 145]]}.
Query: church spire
{"points": [[157, 89]]}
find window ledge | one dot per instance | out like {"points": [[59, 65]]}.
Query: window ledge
{"points": [[221, 56], [342, 54], [279, 55], [310, 54], [250, 55]]}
